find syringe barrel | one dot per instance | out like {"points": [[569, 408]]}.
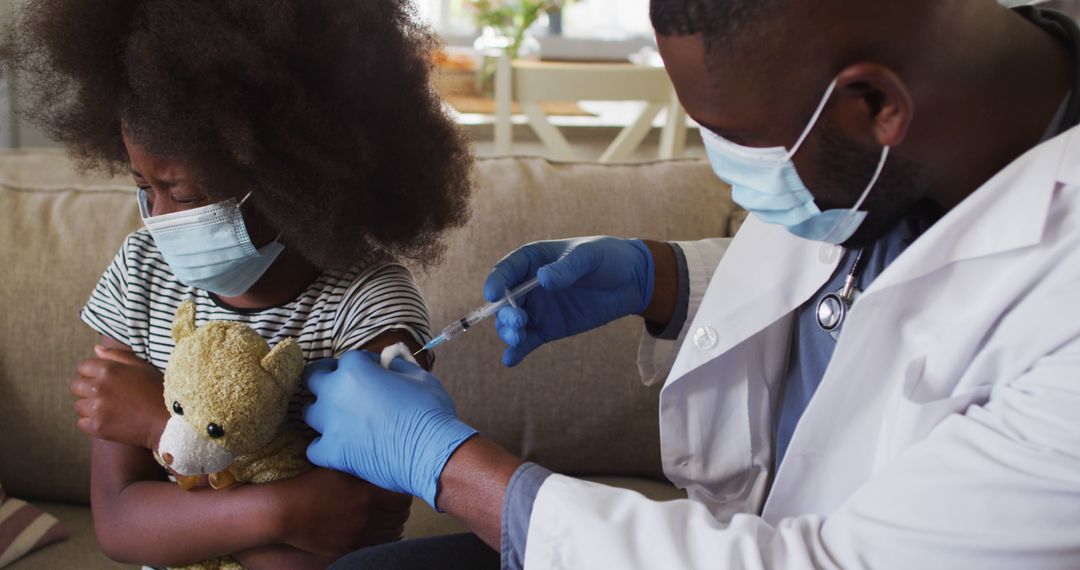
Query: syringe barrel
{"points": [[470, 320], [455, 328], [490, 309]]}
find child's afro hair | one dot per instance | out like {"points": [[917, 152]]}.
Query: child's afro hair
{"points": [[323, 108]]}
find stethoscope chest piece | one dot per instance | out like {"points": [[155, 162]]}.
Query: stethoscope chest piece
{"points": [[833, 308], [830, 312]]}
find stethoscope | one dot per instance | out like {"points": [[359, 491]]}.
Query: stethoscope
{"points": [[833, 308]]}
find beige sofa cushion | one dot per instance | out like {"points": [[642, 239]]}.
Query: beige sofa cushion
{"points": [[575, 406], [77, 552], [56, 237]]}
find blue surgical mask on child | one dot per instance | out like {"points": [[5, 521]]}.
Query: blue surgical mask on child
{"points": [[764, 182], [209, 248]]}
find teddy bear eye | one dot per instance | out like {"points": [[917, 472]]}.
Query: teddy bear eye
{"points": [[215, 431], [177, 408]]}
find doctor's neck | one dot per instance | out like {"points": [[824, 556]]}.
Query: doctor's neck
{"points": [[993, 82]]}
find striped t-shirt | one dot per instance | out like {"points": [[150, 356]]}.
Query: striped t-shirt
{"points": [[136, 299]]}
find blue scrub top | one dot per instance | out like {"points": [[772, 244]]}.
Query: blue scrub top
{"points": [[811, 346]]}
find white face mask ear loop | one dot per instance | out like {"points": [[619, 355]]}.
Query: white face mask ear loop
{"points": [[144, 203], [245, 199], [874, 179], [813, 119], [839, 226]]}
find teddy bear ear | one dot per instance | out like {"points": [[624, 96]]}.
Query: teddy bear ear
{"points": [[184, 322], [286, 364]]}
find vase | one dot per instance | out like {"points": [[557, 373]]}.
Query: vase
{"points": [[495, 42]]}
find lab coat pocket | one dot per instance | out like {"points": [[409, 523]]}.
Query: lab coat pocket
{"points": [[920, 405]]}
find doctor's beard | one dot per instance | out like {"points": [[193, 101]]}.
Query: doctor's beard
{"points": [[846, 168]]}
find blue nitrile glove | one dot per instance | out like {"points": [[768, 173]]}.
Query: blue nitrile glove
{"points": [[585, 283], [395, 428]]}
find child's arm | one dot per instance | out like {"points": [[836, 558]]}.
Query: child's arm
{"points": [[141, 518], [120, 404], [393, 337], [120, 397]]}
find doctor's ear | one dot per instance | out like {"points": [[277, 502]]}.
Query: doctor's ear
{"points": [[875, 101]]}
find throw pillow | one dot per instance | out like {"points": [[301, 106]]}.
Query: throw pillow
{"points": [[24, 528]]}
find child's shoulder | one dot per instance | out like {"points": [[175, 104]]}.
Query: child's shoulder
{"points": [[366, 274], [382, 286], [139, 248], [139, 261]]}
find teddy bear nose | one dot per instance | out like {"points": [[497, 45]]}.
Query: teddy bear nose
{"points": [[167, 458]]}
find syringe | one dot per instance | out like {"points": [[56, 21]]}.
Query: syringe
{"points": [[460, 326]]}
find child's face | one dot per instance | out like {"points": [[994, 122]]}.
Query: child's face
{"points": [[172, 185]]}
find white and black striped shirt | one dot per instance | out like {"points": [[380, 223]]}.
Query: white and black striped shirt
{"points": [[136, 299]]}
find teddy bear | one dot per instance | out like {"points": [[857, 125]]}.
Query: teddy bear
{"points": [[228, 392]]}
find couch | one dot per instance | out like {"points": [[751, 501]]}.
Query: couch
{"points": [[577, 406]]}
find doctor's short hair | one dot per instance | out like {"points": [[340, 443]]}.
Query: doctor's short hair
{"points": [[322, 108], [721, 23]]}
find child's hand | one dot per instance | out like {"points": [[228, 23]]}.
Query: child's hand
{"points": [[120, 398], [332, 514]]}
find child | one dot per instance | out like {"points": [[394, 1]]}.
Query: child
{"points": [[285, 154]]}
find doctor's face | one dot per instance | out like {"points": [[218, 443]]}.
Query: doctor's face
{"points": [[753, 103]]}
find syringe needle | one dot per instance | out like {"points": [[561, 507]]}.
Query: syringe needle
{"points": [[463, 324]]}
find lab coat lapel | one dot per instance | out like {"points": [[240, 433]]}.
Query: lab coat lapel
{"points": [[764, 275], [1068, 171], [1008, 212], [752, 288]]}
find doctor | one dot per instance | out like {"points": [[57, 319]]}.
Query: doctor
{"points": [[882, 369]]}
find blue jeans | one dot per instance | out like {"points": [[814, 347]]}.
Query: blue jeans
{"points": [[464, 551]]}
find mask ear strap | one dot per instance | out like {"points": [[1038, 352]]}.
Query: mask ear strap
{"points": [[842, 223], [144, 204], [245, 199], [813, 119], [874, 179]]}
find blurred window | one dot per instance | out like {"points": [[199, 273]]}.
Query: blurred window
{"points": [[601, 19]]}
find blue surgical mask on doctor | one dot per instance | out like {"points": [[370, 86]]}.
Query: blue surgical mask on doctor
{"points": [[764, 182], [209, 248]]}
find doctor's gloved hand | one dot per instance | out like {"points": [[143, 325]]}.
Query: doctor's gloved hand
{"points": [[584, 283], [395, 428]]}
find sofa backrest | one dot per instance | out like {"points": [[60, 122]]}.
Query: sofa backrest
{"points": [[58, 232], [575, 406]]}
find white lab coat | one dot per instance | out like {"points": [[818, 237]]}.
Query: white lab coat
{"points": [[944, 434]]}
